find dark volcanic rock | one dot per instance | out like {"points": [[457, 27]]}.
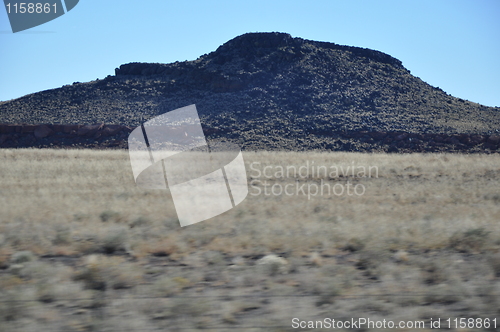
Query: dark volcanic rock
{"points": [[3, 138], [70, 128], [495, 139], [42, 131], [89, 130], [115, 136], [269, 90], [29, 128], [111, 130]]}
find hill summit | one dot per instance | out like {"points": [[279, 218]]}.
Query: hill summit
{"points": [[266, 89]]}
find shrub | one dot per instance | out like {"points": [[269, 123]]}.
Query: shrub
{"points": [[81, 216], [190, 307], [162, 248], [22, 257], [354, 245], [434, 272], [102, 272], [116, 239], [13, 305], [272, 265], [329, 291], [5, 254], [213, 257], [141, 221], [472, 240], [446, 293], [370, 261], [62, 235], [494, 261], [167, 286], [109, 215], [46, 293], [92, 278]]}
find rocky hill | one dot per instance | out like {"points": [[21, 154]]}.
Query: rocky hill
{"points": [[272, 91]]}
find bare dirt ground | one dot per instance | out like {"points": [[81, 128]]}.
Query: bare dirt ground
{"points": [[405, 238]]}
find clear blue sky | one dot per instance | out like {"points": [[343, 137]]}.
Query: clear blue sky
{"points": [[452, 44]]}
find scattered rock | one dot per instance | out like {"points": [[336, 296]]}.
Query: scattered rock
{"points": [[495, 139], [28, 128], [6, 129], [70, 128], [43, 131], [401, 137], [111, 130], [378, 135], [3, 138], [89, 130], [438, 138], [115, 136], [477, 139]]}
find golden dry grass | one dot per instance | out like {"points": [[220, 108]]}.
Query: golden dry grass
{"points": [[426, 224]]}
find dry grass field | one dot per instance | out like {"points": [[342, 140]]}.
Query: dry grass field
{"points": [[83, 249]]}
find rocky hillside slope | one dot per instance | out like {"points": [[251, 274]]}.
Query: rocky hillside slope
{"points": [[267, 90], [101, 136]]}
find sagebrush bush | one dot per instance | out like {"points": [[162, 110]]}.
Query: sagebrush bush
{"points": [[354, 244], [370, 262], [5, 254], [15, 303], [22, 257], [470, 241], [494, 262], [115, 239], [109, 215], [189, 308], [141, 221], [445, 293], [101, 272], [328, 292], [273, 265], [63, 235]]}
